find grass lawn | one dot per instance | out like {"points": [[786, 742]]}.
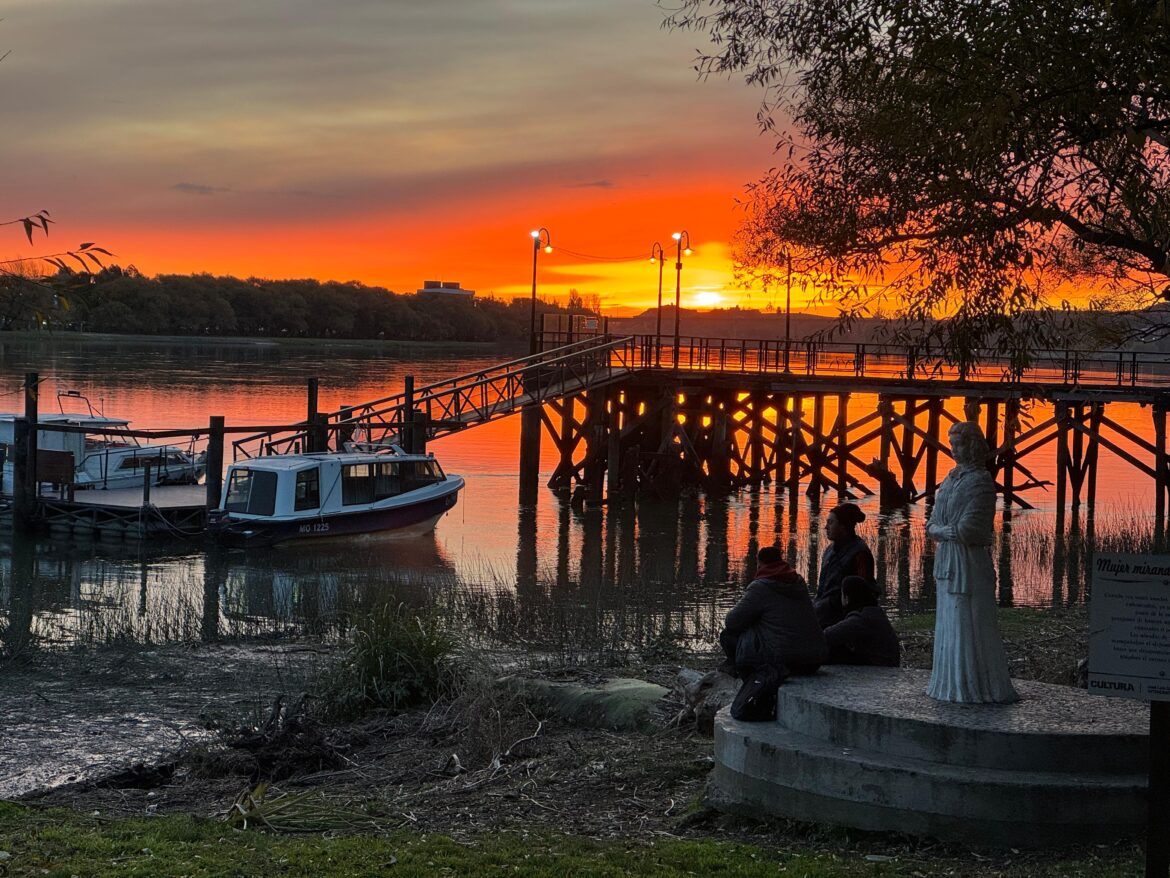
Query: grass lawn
{"points": [[63, 843]]}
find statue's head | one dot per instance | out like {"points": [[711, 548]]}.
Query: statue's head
{"points": [[968, 447]]}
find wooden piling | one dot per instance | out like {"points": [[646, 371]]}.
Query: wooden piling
{"points": [[147, 483], [32, 416], [1077, 467], [22, 498], [933, 417], [1062, 467], [841, 432], [214, 461], [529, 453], [796, 446], [817, 478], [311, 433], [1161, 471], [613, 458], [1011, 425]]}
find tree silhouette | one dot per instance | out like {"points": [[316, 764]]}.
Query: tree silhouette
{"points": [[962, 159]]}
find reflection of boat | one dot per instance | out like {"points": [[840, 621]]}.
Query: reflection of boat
{"points": [[98, 455], [306, 496]]}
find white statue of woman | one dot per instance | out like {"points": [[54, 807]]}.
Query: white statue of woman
{"points": [[970, 665]]}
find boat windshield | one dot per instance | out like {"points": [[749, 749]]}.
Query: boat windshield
{"points": [[251, 491]]}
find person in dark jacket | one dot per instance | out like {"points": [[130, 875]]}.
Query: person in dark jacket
{"points": [[847, 555], [774, 622], [865, 636]]}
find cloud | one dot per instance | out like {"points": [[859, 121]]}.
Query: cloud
{"points": [[593, 184], [199, 189]]}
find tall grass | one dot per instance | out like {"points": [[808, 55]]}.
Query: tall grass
{"points": [[396, 657], [634, 595]]}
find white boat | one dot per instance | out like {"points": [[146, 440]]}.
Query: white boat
{"points": [[282, 497], [102, 459]]}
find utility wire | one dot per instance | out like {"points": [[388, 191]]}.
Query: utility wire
{"points": [[596, 258]]}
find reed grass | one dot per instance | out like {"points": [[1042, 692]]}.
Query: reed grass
{"points": [[635, 597]]}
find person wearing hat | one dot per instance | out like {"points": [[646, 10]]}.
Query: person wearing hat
{"points": [[774, 623], [865, 636], [847, 555]]}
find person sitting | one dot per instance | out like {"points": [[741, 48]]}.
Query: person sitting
{"points": [[865, 636], [774, 623], [847, 555]]}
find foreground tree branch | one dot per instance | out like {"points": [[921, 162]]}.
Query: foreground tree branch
{"points": [[962, 159]]}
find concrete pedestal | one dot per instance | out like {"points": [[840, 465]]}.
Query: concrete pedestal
{"points": [[865, 748]]}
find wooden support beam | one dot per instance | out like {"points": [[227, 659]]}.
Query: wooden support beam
{"points": [[1077, 461], [1162, 471], [816, 455], [613, 434], [991, 433], [1007, 456], [1096, 411], [796, 444], [1062, 453], [932, 444], [842, 458]]}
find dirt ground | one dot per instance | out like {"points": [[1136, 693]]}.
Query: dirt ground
{"points": [[465, 767], [482, 764]]}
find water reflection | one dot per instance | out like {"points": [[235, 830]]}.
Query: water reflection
{"points": [[627, 571], [622, 574]]}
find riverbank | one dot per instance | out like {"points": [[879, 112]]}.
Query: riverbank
{"points": [[469, 784], [406, 347]]}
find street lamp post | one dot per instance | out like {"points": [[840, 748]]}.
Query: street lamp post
{"points": [[788, 315], [658, 255], [679, 237], [540, 237]]}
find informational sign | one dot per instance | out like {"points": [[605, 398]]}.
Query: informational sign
{"points": [[1129, 627]]}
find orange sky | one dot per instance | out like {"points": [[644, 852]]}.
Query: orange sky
{"points": [[382, 142]]}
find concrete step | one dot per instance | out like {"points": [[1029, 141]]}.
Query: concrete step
{"points": [[885, 711], [764, 767]]}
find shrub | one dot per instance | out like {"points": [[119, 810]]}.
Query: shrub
{"points": [[398, 657]]}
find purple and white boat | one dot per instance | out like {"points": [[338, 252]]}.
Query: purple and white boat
{"points": [[283, 497]]}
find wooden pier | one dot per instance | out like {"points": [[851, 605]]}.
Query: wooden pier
{"points": [[637, 414], [625, 418]]}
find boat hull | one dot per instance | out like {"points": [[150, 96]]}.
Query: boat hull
{"points": [[405, 519]]}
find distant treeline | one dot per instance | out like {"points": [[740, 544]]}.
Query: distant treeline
{"points": [[122, 300]]}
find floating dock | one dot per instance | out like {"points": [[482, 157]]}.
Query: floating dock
{"points": [[178, 511]]}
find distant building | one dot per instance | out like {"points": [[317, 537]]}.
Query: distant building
{"points": [[444, 288]]}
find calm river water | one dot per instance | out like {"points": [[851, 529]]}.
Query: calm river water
{"points": [[623, 576]]}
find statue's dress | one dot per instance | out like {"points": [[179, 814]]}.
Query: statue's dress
{"points": [[969, 661]]}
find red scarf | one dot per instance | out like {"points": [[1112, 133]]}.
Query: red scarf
{"points": [[779, 571]]}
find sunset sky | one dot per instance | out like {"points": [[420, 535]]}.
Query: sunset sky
{"points": [[387, 141]]}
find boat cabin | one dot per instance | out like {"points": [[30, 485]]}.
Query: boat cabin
{"points": [[307, 485]]}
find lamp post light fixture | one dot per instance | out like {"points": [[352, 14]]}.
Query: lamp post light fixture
{"points": [[658, 255], [540, 238], [679, 237]]}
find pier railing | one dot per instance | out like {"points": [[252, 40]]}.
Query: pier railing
{"points": [[900, 362]]}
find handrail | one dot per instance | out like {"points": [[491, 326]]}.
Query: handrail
{"points": [[501, 389], [528, 360]]}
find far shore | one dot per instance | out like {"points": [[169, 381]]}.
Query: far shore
{"points": [[484, 347]]}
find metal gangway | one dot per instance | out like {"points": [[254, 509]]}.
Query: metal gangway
{"points": [[454, 404]]}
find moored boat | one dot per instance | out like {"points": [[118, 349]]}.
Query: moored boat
{"points": [[283, 497], [99, 451]]}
